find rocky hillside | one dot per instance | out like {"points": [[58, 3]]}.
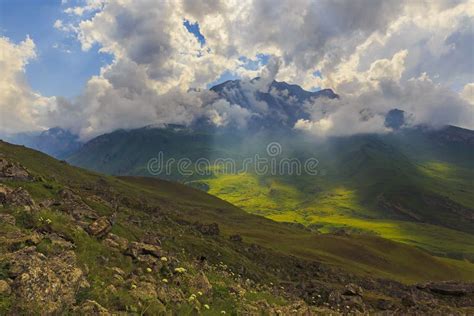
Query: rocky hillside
{"points": [[76, 242]]}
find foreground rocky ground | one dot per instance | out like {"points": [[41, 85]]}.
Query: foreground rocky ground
{"points": [[86, 249]]}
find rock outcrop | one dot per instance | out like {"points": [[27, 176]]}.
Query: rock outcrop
{"points": [[16, 197], [73, 204], [138, 249], [100, 227], [208, 229], [45, 284], [448, 288], [13, 171]]}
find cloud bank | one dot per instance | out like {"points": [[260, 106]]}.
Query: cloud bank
{"points": [[411, 55]]}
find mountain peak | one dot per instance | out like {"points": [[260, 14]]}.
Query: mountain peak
{"points": [[278, 85], [281, 105]]}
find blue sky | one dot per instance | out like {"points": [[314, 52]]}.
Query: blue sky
{"points": [[61, 67], [194, 29]]}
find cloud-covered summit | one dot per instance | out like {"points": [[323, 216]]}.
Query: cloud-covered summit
{"points": [[415, 56]]}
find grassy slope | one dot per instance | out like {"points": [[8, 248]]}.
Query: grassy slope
{"points": [[359, 171], [346, 196], [335, 208], [359, 254]]}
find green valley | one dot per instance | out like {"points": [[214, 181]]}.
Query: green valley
{"points": [[148, 246], [413, 186]]}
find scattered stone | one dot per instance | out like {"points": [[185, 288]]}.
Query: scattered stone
{"points": [[352, 290], [384, 304], [236, 238], [144, 291], [119, 278], [111, 289], [48, 186], [341, 232], [74, 205], [450, 288], [170, 295], [13, 171], [90, 307], [46, 285], [4, 192], [8, 219], [16, 197], [15, 240], [135, 249], [151, 239], [208, 229], [46, 203], [117, 242], [60, 243], [409, 300], [118, 271], [201, 283], [100, 228], [5, 288], [349, 297], [237, 290]]}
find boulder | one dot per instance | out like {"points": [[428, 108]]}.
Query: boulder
{"points": [[8, 219], [16, 197], [208, 229], [350, 297], [15, 239], [5, 289], [4, 192], [236, 238], [59, 243], [90, 307], [450, 288], [45, 284], [352, 289], [237, 290], [170, 295], [13, 171], [118, 271], [135, 249], [144, 291], [73, 204], [116, 242], [384, 305], [100, 227], [21, 197], [409, 300], [201, 283]]}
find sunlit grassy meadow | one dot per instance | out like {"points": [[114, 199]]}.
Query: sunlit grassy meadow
{"points": [[329, 207]]}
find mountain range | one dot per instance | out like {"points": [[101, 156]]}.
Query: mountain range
{"points": [[380, 222], [76, 242], [413, 185], [56, 142], [277, 104]]}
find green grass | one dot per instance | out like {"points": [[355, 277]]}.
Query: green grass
{"points": [[358, 254], [336, 207], [427, 184]]}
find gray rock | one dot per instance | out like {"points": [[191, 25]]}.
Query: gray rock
{"points": [[450, 288], [5, 288], [7, 218], [100, 227], [13, 171], [135, 249]]}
